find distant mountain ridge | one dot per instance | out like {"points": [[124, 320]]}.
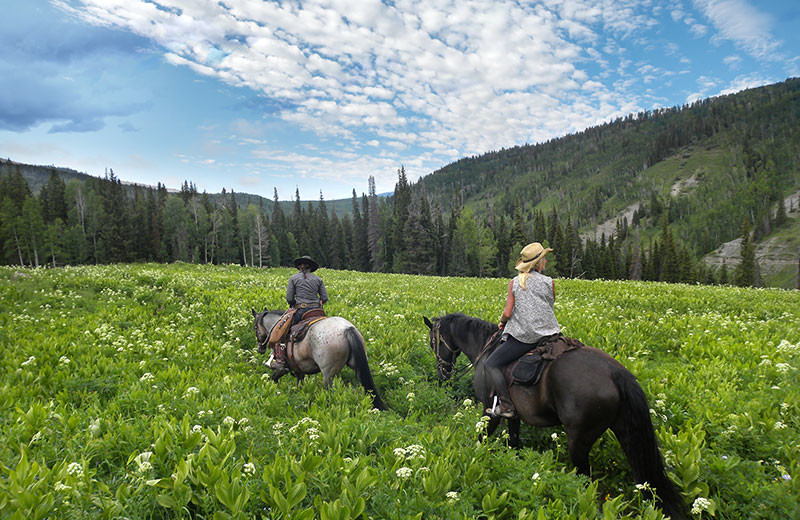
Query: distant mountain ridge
{"points": [[37, 175]]}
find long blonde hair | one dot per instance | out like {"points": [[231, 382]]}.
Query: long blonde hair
{"points": [[524, 273]]}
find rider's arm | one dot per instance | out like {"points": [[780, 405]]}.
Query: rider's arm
{"points": [[290, 293], [323, 294], [509, 308]]}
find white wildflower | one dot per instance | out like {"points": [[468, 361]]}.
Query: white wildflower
{"points": [[29, 361], [467, 403], [94, 427], [536, 476], [699, 505], [192, 390], [779, 425], [554, 436], [249, 469], [404, 472], [197, 428], [424, 469], [145, 466], [452, 497], [147, 376], [63, 360], [400, 453], [60, 486], [229, 421], [410, 396], [75, 469]]}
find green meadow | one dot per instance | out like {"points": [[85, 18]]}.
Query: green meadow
{"points": [[135, 391]]}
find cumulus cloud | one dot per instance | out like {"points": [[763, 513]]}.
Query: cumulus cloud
{"points": [[742, 23], [448, 77]]}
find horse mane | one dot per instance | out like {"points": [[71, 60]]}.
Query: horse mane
{"points": [[461, 327]]}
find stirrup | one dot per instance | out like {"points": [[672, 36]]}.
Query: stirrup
{"points": [[501, 409]]}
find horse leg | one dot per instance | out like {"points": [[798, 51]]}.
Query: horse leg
{"points": [[492, 425], [513, 433], [580, 441]]}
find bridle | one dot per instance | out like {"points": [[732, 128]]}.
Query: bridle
{"points": [[262, 343], [445, 367]]}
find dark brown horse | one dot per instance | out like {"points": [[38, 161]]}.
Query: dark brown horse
{"points": [[329, 345], [585, 389]]}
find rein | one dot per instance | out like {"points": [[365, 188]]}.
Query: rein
{"points": [[447, 367]]}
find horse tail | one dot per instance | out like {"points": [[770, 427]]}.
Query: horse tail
{"points": [[358, 354], [636, 435]]}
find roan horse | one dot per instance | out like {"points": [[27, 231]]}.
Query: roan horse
{"points": [[327, 347], [584, 389]]}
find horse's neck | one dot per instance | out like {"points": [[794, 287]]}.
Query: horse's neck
{"points": [[268, 320], [473, 346]]}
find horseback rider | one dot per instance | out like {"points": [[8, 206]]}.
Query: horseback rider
{"points": [[306, 290], [527, 319]]}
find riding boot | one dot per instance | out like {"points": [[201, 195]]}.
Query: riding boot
{"points": [[503, 408]]}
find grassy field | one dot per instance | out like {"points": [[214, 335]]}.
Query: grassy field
{"points": [[135, 392]]}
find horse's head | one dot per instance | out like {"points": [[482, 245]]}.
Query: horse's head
{"points": [[263, 322], [441, 344]]}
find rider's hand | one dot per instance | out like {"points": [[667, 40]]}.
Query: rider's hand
{"points": [[501, 325]]}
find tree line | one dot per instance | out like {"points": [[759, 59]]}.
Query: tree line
{"points": [[102, 221]]}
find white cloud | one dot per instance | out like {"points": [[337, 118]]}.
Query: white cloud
{"points": [[745, 82], [745, 25], [469, 76]]}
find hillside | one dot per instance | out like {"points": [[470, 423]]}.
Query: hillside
{"points": [[705, 168]]}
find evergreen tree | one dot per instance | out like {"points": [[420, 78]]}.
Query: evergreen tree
{"points": [[176, 229], [373, 231], [360, 251], [115, 231], [746, 270], [418, 257], [402, 199], [32, 230], [281, 232], [723, 274], [635, 272], [52, 198]]}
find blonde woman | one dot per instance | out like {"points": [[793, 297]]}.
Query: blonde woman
{"points": [[527, 319]]}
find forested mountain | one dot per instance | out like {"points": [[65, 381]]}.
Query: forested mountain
{"points": [[644, 197]]}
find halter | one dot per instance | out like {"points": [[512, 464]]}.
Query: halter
{"points": [[446, 367], [262, 344]]}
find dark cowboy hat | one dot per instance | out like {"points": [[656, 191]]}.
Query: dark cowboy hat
{"points": [[305, 259]]}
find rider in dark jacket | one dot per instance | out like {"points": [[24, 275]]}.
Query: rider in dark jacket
{"points": [[306, 290]]}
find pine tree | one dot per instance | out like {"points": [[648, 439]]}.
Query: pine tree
{"points": [[402, 199], [373, 233], [52, 198], [418, 257], [636, 259], [745, 275]]}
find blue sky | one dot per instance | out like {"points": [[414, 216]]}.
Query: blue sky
{"points": [[318, 95]]}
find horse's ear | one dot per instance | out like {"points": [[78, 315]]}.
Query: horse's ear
{"points": [[427, 322], [254, 312]]}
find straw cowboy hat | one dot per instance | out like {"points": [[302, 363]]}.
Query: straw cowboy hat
{"points": [[305, 259], [530, 256]]}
